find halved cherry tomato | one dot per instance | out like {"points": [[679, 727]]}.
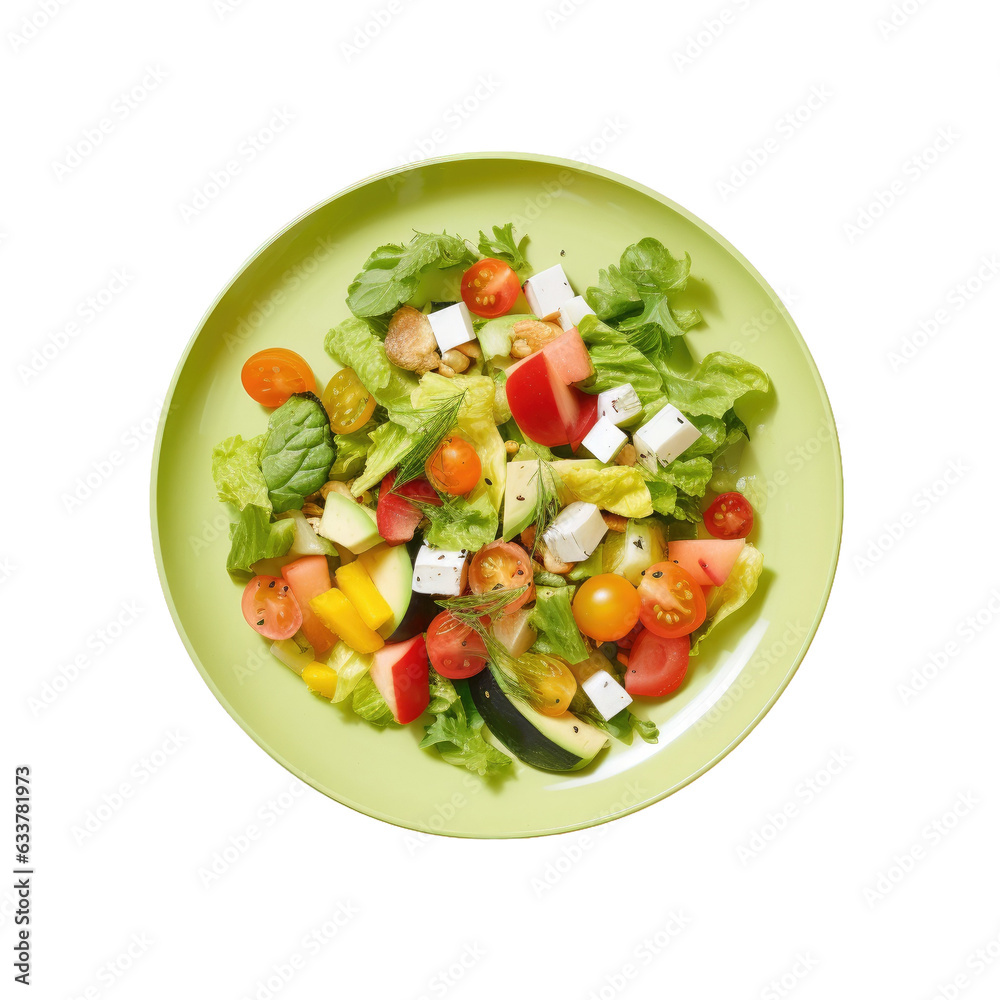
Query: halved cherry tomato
{"points": [[729, 516], [606, 607], [270, 608], [271, 376], [348, 404], [490, 288], [454, 466], [552, 684], [672, 603], [656, 665], [395, 517], [456, 651], [503, 566]]}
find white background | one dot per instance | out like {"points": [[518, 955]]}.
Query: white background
{"points": [[882, 880]]}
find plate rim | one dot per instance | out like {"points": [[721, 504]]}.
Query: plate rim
{"points": [[585, 168]]}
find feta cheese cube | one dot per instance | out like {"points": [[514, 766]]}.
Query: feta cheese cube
{"points": [[547, 292], [570, 313], [663, 438], [608, 696], [605, 440], [452, 326], [575, 533], [441, 572], [619, 405]]}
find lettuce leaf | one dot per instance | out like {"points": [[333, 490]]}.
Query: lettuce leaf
{"points": [[236, 472], [689, 475], [475, 423], [297, 452], [351, 666], [457, 729], [620, 489], [389, 443], [732, 595], [593, 566], [351, 451], [715, 385], [392, 273], [617, 361], [552, 618], [622, 726], [503, 246], [461, 524], [369, 704], [254, 537]]}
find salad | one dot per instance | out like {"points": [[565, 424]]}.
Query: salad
{"points": [[511, 516]]}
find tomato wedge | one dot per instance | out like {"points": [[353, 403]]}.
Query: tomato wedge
{"points": [[270, 608], [656, 665]]}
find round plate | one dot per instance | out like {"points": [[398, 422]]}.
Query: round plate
{"points": [[293, 290]]}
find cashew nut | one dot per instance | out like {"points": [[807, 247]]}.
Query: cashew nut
{"points": [[530, 335], [454, 360], [410, 343], [615, 522], [511, 447], [471, 349], [627, 456], [553, 565]]}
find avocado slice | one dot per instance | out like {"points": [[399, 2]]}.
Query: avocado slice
{"points": [[552, 743], [520, 497], [391, 571], [348, 523]]}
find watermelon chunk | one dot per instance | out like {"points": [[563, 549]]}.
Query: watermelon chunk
{"points": [[708, 561], [569, 357]]}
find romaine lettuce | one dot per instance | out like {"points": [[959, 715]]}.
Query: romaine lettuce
{"points": [[461, 524], [552, 618], [620, 489], [236, 471], [715, 385], [253, 537]]}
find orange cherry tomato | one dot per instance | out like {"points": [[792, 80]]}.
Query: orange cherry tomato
{"points": [[672, 603], [271, 376], [490, 288], [454, 466], [606, 607], [348, 404], [503, 566]]}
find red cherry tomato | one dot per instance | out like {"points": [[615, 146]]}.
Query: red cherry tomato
{"points": [[454, 467], [490, 288], [656, 665], [503, 566], [270, 608], [672, 603], [729, 516], [606, 607], [395, 517], [271, 376], [456, 651]]}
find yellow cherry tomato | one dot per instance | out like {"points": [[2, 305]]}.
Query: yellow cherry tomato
{"points": [[348, 404], [606, 607], [551, 683]]}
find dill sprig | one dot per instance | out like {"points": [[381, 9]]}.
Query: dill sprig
{"points": [[434, 427], [472, 607], [546, 499]]}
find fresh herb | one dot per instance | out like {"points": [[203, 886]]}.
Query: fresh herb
{"points": [[391, 275], [547, 484], [504, 247], [471, 608], [435, 424], [297, 452]]}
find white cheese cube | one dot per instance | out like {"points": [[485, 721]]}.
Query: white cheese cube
{"points": [[608, 696], [572, 312], [452, 326], [547, 292], [604, 440], [575, 533], [619, 405], [664, 438], [441, 572]]}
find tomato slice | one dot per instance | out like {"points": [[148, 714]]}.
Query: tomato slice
{"points": [[456, 651], [271, 376], [395, 517], [729, 516], [454, 466], [606, 607], [490, 288], [503, 566], [270, 608], [672, 603], [656, 665]]}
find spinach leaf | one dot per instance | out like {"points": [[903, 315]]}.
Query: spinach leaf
{"points": [[297, 452]]}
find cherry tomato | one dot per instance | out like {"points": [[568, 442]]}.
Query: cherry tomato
{"points": [[729, 516], [271, 376], [656, 666], [270, 608], [551, 682], [503, 566], [672, 603], [606, 607], [454, 466], [490, 288], [348, 404], [456, 651]]}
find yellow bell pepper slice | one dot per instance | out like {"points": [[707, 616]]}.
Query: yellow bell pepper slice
{"points": [[342, 618], [357, 586], [321, 678]]}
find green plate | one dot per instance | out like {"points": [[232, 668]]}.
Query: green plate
{"points": [[292, 290]]}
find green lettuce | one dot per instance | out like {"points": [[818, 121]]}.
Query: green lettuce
{"points": [[456, 731], [236, 472], [715, 385], [622, 726], [689, 475], [620, 489], [351, 451], [297, 452], [732, 595], [389, 444], [593, 566], [617, 360], [552, 618], [391, 275], [461, 524], [351, 666], [253, 537], [369, 704]]}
